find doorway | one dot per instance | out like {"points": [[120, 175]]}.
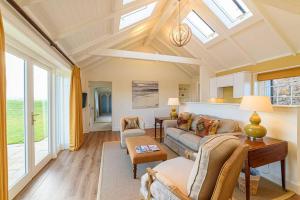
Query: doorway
{"points": [[101, 106]]}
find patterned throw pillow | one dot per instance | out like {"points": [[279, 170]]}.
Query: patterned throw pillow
{"points": [[184, 121], [131, 123], [206, 127]]}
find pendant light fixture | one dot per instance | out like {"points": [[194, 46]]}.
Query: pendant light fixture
{"points": [[180, 33]]}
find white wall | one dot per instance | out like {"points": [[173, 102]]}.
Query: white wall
{"points": [[282, 124], [121, 72]]}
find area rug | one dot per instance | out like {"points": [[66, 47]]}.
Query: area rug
{"points": [[116, 180]]}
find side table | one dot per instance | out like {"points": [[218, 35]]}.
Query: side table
{"points": [[160, 120]]}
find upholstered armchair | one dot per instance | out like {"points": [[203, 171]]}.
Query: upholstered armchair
{"points": [[212, 175], [124, 133]]}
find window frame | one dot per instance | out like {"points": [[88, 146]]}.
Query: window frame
{"points": [[224, 15], [205, 38], [266, 88], [140, 9]]}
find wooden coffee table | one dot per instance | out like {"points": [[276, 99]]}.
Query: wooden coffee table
{"points": [[139, 158]]}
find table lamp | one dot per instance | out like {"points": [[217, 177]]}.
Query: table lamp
{"points": [[256, 104], [173, 102]]}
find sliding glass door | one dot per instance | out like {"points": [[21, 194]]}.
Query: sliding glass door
{"points": [[40, 115], [28, 118], [16, 120]]}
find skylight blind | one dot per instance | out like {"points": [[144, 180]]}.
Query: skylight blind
{"points": [[285, 73]]}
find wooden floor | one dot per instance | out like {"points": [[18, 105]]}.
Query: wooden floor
{"points": [[73, 175]]}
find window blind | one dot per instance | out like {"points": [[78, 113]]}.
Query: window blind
{"points": [[285, 73]]}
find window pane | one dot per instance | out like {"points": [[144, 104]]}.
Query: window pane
{"points": [[296, 101], [15, 77], [41, 113], [230, 8], [136, 15], [284, 91], [284, 101], [199, 27], [296, 90], [127, 1], [230, 12]]}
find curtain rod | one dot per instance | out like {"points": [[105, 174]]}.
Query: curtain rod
{"points": [[38, 29]]}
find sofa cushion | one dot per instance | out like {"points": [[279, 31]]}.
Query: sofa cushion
{"points": [[133, 132], [206, 126], [195, 119], [226, 125], [184, 121], [190, 140], [181, 167], [212, 155], [131, 123], [174, 132]]}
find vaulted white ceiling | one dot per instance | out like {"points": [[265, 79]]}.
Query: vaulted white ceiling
{"points": [[82, 26]]}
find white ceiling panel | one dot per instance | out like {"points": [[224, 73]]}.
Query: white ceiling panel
{"points": [[287, 22], [228, 54], [261, 43]]}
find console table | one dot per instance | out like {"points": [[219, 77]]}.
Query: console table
{"points": [[262, 152], [159, 120]]}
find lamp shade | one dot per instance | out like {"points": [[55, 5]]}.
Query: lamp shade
{"points": [[173, 102], [256, 103]]}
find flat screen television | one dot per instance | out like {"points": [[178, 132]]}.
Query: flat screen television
{"points": [[84, 98]]}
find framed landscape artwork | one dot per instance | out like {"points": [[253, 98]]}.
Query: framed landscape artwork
{"points": [[145, 94]]}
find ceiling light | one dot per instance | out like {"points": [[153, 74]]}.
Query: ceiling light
{"points": [[180, 33]]}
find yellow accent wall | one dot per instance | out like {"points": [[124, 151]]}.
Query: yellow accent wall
{"points": [[228, 96], [279, 63]]}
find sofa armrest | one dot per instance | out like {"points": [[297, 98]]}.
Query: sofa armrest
{"points": [[169, 124], [141, 123], [122, 125]]}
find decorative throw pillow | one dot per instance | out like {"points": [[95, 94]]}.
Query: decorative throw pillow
{"points": [[184, 121], [206, 127], [131, 123]]}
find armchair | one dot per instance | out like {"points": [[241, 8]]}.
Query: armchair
{"points": [[213, 174], [124, 133]]}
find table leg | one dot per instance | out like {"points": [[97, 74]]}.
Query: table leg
{"points": [[247, 179], [282, 163], [134, 171], [160, 132], [155, 129]]}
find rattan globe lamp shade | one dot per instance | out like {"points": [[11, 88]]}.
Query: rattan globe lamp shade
{"points": [[180, 35]]}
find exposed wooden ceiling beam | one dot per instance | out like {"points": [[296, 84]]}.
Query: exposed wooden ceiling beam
{"points": [[145, 56], [166, 14], [99, 20], [179, 66], [121, 42]]}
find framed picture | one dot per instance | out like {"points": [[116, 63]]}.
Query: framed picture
{"points": [[145, 94]]}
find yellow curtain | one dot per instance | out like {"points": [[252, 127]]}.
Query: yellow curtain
{"points": [[3, 143], [285, 73], [76, 129]]}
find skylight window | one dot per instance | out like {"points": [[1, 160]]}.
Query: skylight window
{"points": [[127, 1], [230, 12], [199, 27], [137, 15]]}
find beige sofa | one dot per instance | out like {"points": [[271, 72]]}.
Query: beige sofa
{"points": [[180, 141]]}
